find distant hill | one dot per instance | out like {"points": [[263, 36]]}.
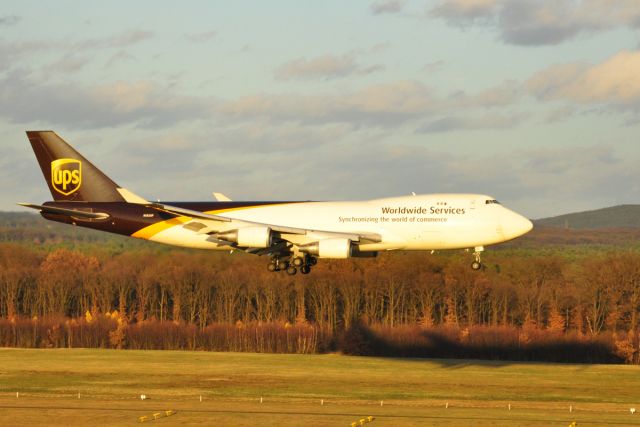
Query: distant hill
{"points": [[623, 216]]}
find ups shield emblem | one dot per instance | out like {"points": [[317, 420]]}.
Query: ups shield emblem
{"points": [[66, 175]]}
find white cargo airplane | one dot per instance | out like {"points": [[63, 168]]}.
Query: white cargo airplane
{"points": [[293, 234]]}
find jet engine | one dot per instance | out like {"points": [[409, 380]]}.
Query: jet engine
{"points": [[251, 237], [336, 248], [329, 248]]}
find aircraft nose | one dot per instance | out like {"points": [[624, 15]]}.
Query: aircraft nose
{"points": [[515, 225]]}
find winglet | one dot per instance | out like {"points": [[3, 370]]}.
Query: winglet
{"points": [[131, 197], [221, 197]]}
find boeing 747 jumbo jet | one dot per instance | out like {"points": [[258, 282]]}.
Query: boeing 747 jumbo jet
{"points": [[293, 234]]}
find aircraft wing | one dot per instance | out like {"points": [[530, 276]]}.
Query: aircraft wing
{"points": [[187, 212], [204, 223]]}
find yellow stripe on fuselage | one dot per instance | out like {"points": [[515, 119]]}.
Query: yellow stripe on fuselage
{"points": [[153, 229], [239, 208]]}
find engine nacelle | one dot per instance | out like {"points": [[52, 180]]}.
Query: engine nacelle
{"points": [[329, 248], [251, 237]]}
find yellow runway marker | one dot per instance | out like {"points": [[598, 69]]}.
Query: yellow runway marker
{"points": [[155, 416], [362, 421]]}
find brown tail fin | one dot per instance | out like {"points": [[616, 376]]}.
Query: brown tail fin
{"points": [[70, 176]]}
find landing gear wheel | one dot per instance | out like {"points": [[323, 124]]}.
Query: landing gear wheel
{"points": [[272, 267], [298, 261], [313, 261], [291, 270], [305, 269], [477, 258]]}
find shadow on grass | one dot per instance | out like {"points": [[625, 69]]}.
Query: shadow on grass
{"points": [[489, 344]]}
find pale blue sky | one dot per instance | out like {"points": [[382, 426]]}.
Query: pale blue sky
{"points": [[536, 102]]}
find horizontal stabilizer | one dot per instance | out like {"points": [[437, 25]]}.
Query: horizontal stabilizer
{"points": [[70, 212]]}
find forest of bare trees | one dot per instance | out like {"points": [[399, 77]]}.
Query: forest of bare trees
{"points": [[519, 295]]}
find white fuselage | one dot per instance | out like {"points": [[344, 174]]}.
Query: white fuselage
{"points": [[421, 222]]}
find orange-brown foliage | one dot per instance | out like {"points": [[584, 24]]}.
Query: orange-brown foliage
{"points": [[195, 300]]}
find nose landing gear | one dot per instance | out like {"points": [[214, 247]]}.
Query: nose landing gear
{"points": [[477, 259]]}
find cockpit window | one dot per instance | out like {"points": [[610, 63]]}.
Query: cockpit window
{"points": [[491, 202]]}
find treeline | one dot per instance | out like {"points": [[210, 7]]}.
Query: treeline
{"points": [[577, 297], [111, 330]]}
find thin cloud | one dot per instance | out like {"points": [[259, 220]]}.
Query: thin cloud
{"points": [[9, 20], [458, 123], [380, 47], [433, 67], [613, 82], [387, 6], [10, 52], [463, 13], [540, 22], [323, 67], [146, 104], [124, 39], [68, 64], [389, 104], [119, 57], [201, 37], [504, 94], [141, 104]]}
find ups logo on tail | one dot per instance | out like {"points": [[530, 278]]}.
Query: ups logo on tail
{"points": [[66, 175]]}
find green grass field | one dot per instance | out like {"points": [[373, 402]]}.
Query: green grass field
{"points": [[292, 388]]}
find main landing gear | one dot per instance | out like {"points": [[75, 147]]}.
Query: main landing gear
{"points": [[292, 264], [477, 259]]}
